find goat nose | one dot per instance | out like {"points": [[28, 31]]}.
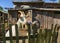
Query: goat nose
{"points": [[21, 15]]}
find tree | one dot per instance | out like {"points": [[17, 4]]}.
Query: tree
{"points": [[1, 8]]}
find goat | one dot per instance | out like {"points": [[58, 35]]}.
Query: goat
{"points": [[13, 26]]}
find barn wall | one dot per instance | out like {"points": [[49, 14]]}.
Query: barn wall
{"points": [[57, 21], [57, 17], [46, 18]]}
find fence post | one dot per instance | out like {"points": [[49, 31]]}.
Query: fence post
{"points": [[3, 30], [17, 37], [28, 24], [23, 40], [10, 32]]}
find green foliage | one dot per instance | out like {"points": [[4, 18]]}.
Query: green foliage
{"points": [[1, 8]]}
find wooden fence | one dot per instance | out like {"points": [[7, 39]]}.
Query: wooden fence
{"points": [[44, 35], [3, 38]]}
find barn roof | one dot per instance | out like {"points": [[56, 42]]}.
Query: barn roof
{"points": [[41, 9]]}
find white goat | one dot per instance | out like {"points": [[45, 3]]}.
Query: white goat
{"points": [[13, 26]]}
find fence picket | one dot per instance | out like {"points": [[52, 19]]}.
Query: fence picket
{"points": [[3, 30], [23, 40], [10, 31], [17, 37], [44, 36]]}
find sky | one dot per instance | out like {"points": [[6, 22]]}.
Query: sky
{"points": [[6, 3], [9, 4], [51, 1]]}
